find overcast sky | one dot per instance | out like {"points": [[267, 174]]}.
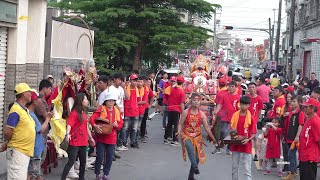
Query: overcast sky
{"points": [[248, 13]]}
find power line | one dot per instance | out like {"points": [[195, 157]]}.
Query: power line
{"points": [[251, 7], [238, 3]]}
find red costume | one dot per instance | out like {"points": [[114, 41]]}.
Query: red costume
{"points": [[273, 146], [277, 109]]}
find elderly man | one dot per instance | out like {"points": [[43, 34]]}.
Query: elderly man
{"points": [[19, 135], [309, 141]]}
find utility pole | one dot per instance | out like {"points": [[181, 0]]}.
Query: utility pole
{"points": [[276, 53], [291, 38], [270, 40], [215, 43]]}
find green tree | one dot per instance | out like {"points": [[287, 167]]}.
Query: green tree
{"points": [[130, 30]]}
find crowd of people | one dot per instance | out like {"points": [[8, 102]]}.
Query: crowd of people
{"points": [[290, 124], [116, 120]]}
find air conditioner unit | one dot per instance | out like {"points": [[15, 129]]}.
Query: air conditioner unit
{"points": [[313, 17]]}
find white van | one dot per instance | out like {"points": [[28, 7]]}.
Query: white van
{"points": [[170, 72]]}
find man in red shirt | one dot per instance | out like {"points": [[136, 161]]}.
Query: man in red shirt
{"points": [[217, 121], [309, 142], [280, 102], [238, 81], [131, 113], [173, 81], [255, 107], [316, 95], [228, 103], [256, 104], [175, 107], [263, 91], [246, 127], [150, 98], [142, 101]]}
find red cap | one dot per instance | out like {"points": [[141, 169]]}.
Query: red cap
{"points": [[180, 79], [267, 80], [173, 78], [34, 96], [133, 76], [310, 102], [222, 82], [289, 89]]}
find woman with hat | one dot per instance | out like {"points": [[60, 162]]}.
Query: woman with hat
{"points": [[106, 141]]}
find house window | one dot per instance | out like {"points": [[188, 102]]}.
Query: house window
{"points": [[314, 9]]}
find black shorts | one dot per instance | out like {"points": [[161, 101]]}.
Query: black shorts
{"points": [[160, 101]]}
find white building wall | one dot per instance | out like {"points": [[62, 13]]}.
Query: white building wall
{"points": [[36, 28], [69, 35]]}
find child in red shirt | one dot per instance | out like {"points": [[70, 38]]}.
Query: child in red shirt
{"points": [[273, 133], [142, 101], [243, 123]]}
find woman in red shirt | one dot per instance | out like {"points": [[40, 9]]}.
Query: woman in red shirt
{"points": [[77, 135], [106, 142], [284, 125], [293, 131]]}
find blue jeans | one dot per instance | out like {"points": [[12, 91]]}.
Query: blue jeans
{"points": [[224, 131], [104, 152], [164, 118], [285, 153], [292, 157], [130, 127], [193, 158], [246, 160], [139, 128]]}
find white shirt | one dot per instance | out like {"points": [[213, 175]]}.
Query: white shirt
{"points": [[271, 76], [102, 96]]}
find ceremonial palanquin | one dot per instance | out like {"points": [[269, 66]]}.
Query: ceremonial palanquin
{"points": [[201, 77]]}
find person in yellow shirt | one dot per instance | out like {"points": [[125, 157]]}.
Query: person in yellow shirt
{"points": [[275, 82], [247, 74], [19, 135]]}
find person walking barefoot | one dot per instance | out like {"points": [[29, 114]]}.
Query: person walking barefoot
{"points": [[189, 129]]}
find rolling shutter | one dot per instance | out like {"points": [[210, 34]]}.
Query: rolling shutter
{"points": [[3, 59]]}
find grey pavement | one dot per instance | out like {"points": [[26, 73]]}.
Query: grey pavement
{"points": [[157, 161]]}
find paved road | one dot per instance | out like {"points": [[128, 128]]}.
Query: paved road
{"points": [[157, 161]]}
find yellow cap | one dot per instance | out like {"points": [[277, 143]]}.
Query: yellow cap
{"points": [[23, 87]]}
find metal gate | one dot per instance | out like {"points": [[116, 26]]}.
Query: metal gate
{"points": [[3, 59]]}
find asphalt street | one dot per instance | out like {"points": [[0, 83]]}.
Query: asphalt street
{"points": [[157, 161]]}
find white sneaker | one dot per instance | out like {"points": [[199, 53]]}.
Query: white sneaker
{"points": [[76, 165], [175, 143], [73, 175], [122, 148]]}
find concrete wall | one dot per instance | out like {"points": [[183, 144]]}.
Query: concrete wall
{"points": [[57, 65], [65, 39]]}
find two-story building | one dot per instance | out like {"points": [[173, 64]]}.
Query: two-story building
{"points": [[306, 46]]}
